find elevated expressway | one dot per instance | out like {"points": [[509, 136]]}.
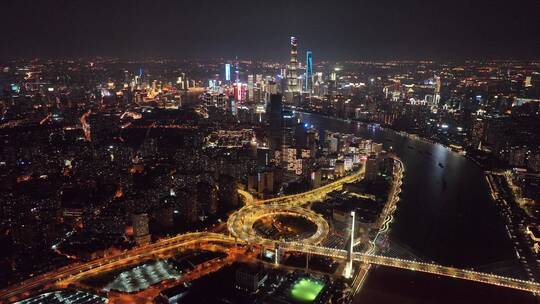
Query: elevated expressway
{"points": [[315, 194], [64, 276], [240, 223]]}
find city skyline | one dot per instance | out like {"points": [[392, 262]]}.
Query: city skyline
{"points": [[257, 151]]}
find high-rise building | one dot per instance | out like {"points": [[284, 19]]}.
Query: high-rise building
{"points": [[275, 115], [269, 89], [239, 93], [140, 228], [263, 181], [372, 168], [292, 79], [237, 71], [227, 72], [250, 278], [528, 82], [437, 90], [232, 104], [332, 83], [478, 133], [259, 88], [308, 83], [250, 88]]}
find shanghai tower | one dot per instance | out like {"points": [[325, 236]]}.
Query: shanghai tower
{"points": [[292, 82]]}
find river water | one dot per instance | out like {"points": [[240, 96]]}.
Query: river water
{"points": [[445, 215]]}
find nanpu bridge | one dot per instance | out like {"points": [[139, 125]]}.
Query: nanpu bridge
{"points": [[458, 273], [72, 273], [241, 237]]}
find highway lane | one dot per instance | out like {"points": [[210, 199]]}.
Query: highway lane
{"points": [[71, 273], [136, 255], [240, 223], [294, 200]]}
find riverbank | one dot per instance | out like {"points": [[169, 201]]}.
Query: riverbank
{"points": [[386, 219], [459, 225], [462, 152]]}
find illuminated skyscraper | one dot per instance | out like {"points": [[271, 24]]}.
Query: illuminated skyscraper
{"points": [[437, 90], [227, 72], [292, 82], [237, 71], [308, 84], [250, 87], [258, 78], [140, 228]]}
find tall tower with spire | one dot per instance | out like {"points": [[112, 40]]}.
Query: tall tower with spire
{"points": [[292, 77], [350, 252]]}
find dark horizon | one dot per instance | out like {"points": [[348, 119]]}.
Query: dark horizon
{"points": [[347, 30], [223, 59]]}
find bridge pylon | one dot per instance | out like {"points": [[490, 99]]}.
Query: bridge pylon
{"points": [[277, 254], [349, 266]]}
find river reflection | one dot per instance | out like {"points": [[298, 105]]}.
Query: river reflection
{"points": [[445, 215]]}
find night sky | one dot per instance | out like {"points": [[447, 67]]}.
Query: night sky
{"points": [[333, 29]]}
